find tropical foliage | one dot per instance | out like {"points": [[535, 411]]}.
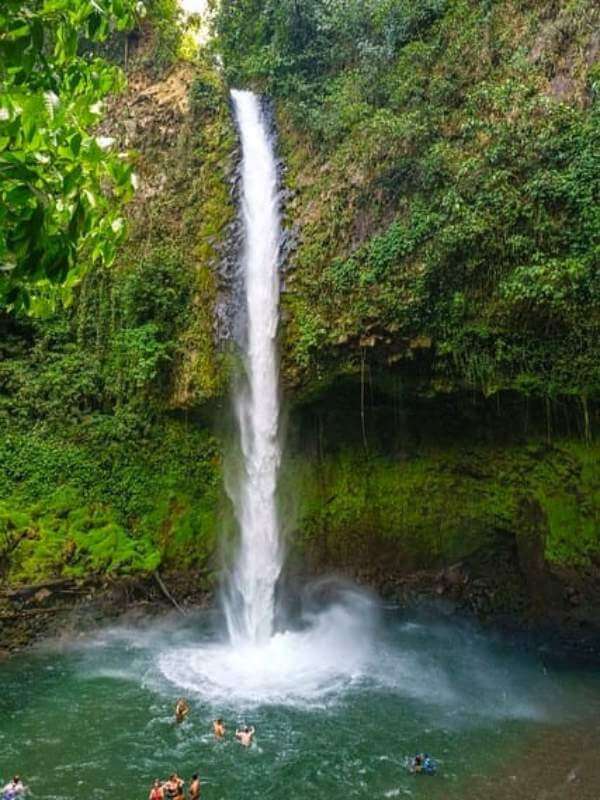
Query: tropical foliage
{"points": [[444, 158], [60, 184]]}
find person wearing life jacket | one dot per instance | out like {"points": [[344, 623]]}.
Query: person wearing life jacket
{"points": [[182, 709], [429, 766], [156, 791], [14, 789]]}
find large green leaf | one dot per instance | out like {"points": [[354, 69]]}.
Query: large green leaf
{"points": [[59, 190]]}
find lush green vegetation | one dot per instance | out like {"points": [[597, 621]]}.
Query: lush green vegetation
{"points": [[104, 473], [61, 185], [444, 162], [445, 157], [96, 477], [106, 498]]}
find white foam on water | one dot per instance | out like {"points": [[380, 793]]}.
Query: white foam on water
{"points": [[341, 651], [315, 665]]}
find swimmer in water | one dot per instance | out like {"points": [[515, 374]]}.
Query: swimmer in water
{"points": [[219, 728], [179, 792], [417, 764], [170, 787], [14, 789], [245, 735], [156, 792], [173, 788], [182, 709], [195, 787]]}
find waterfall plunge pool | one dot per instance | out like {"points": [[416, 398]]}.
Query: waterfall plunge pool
{"points": [[339, 704]]}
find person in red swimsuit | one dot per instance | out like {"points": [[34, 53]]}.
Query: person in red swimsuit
{"points": [[156, 792]]}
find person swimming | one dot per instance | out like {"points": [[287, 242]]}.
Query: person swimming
{"points": [[423, 763], [156, 791], [179, 791], [14, 789], [182, 709], [173, 787], [245, 735], [195, 787], [417, 764], [219, 728], [429, 765]]}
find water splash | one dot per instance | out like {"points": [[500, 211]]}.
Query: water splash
{"points": [[333, 656], [249, 602], [316, 663]]}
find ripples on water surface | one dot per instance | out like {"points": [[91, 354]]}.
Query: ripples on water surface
{"points": [[338, 705]]}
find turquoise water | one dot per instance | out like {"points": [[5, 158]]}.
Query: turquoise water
{"points": [[94, 718]]}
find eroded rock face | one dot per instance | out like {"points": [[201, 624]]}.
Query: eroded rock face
{"points": [[566, 46], [229, 310], [179, 125], [149, 118]]}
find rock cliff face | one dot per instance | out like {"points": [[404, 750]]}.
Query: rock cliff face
{"points": [[439, 332], [440, 307], [181, 128], [441, 198], [440, 314]]}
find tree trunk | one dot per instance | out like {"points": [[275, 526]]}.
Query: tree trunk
{"points": [[362, 399], [587, 428]]}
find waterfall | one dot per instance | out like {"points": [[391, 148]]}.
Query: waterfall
{"points": [[249, 599], [324, 650]]}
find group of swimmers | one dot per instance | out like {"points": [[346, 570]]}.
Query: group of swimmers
{"points": [[174, 787], [423, 763], [244, 735]]}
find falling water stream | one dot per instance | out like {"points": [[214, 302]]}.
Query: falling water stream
{"points": [[319, 652], [250, 598]]}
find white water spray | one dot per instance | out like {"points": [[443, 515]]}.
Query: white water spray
{"points": [[250, 598]]}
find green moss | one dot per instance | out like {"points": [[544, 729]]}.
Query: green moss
{"points": [[107, 505], [64, 542], [440, 505], [62, 537], [573, 513], [203, 371], [98, 478]]}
